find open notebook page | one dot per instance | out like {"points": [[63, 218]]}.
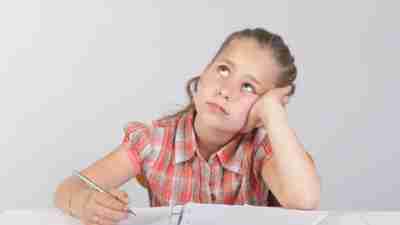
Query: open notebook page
{"points": [[210, 214]]}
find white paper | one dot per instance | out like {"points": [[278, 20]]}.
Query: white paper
{"points": [[381, 218], [212, 214], [148, 216], [349, 218]]}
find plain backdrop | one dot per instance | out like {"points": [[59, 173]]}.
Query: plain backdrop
{"points": [[73, 73]]}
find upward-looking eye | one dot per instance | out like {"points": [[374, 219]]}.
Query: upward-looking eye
{"points": [[223, 70], [247, 87]]}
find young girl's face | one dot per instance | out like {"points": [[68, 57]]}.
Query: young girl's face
{"points": [[231, 84]]}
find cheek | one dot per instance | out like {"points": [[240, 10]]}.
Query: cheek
{"points": [[207, 81], [205, 87], [201, 94]]}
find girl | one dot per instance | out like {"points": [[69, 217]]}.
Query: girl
{"points": [[231, 145]]}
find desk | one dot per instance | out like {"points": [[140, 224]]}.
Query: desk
{"points": [[54, 216], [51, 216], [210, 215]]}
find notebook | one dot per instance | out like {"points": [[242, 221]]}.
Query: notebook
{"points": [[213, 214], [218, 214], [188, 214]]}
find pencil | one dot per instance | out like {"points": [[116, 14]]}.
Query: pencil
{"points": [[96, 187]]}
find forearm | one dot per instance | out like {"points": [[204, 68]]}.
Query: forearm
{"points": [[297, 174], [71, 195]]}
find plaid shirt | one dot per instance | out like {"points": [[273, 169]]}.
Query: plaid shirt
{"points": [[166, 154]]}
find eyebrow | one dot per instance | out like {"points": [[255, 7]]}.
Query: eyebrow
{"points": [[251, 77]]}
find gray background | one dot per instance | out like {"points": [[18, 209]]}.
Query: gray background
{"points": [[74, 72]]}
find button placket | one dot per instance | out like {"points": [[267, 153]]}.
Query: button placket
{"points": [[212, 180], [207, 177]]}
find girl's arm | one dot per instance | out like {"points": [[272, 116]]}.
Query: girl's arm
{"points": [[290, 172], [110, 172]]}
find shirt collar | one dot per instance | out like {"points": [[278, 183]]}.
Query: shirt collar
{"points": [[185, 138], [230, 155]]}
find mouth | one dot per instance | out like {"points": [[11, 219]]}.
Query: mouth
{"points": [[214, 106]]}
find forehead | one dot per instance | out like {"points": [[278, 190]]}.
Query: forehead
{"points": [[251, 58]]}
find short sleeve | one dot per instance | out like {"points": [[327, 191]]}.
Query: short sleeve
{"points": [[137, 140]]}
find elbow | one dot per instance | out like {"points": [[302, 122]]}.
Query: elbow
{"points": [[304, 198], [303, 202], [309, 205], [302, 205]]}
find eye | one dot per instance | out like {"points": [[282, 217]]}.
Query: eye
{"points": [[248, 88], [223, 70]]}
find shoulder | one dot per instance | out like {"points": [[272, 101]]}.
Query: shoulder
{"points": [[168, 121], [137, 129], [166, 125], [133, 128], [137, 133]]}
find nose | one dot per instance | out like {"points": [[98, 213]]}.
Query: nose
{"points": [[226, 90], [223, 94]]}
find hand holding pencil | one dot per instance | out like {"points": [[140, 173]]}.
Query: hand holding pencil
{"points": [[103, 207]]}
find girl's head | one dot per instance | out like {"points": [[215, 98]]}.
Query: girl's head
{"points": [[249, 63]]}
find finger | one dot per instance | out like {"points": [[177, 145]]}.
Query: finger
{"points": [[106, 221], [89, 222], [101, 221], [94, 220], [111, 214], [122, 195], [284, 91], [288, 89], [98, 219], [108, 201]]}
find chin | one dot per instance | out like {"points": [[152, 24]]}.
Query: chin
{"points": [[220, 123]]}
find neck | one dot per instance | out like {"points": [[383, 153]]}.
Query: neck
{"points": [[209, 139]]}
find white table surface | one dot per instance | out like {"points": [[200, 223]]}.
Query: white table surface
{"points": [[53, 216]]}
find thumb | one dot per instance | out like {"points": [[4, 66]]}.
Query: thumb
{"points": [[122, 195]]}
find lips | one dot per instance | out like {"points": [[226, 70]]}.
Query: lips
{"points": [[212, 104]]}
